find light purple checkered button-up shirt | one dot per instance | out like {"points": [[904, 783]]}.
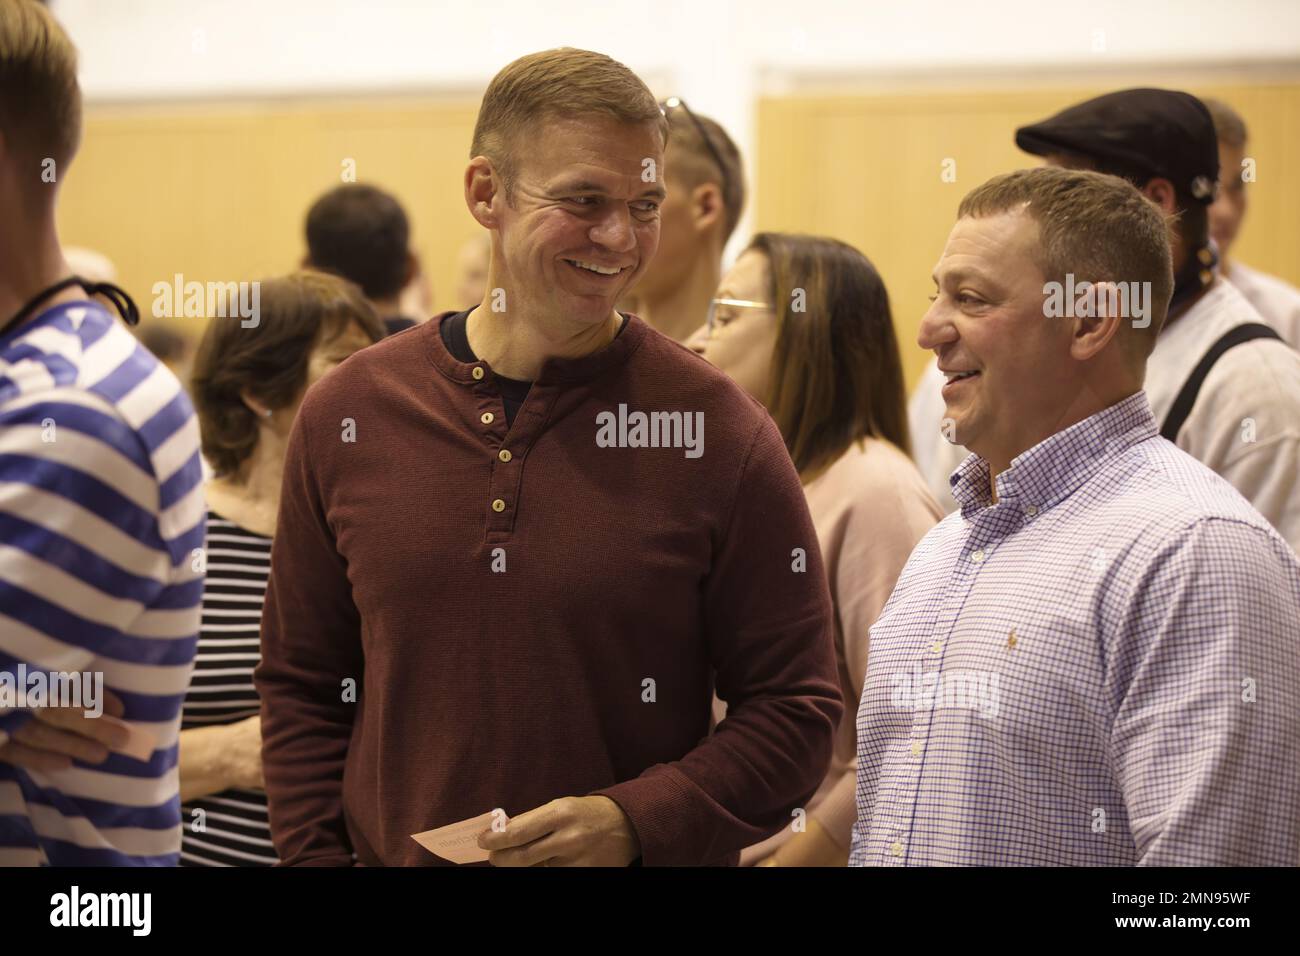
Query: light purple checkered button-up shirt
{"points": [[1103, 668]]}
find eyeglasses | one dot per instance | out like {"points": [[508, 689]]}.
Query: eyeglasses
{"points": [[730, 304], [674, 102]]}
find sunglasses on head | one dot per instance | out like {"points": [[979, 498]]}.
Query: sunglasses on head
{"points": [[676, 102]]}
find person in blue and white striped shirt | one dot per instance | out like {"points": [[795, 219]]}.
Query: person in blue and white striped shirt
{"points": [[101, 514], [1096, 661]]}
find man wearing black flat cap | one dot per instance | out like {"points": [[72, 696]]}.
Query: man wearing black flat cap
{"points": [[1223, 385]]}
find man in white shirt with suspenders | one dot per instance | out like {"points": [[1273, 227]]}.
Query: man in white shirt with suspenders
{"points": [[1221, 381]]}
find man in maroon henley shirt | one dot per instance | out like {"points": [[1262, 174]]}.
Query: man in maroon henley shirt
{"points": [[517, 544]]}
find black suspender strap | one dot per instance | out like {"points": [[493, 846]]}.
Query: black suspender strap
{"points": [[1182, 406]]}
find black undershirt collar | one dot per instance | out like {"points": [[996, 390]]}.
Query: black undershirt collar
{"points": [[513, 391]]}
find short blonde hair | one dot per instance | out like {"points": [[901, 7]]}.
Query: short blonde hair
{"points": [[564, 82], [40, 101], [1092, 225]]}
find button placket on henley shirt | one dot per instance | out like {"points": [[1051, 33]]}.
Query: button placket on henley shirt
{"points": [[527, 615]]}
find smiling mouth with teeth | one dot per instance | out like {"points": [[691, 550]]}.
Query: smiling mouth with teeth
{"points": [[958, 376], [593, 267]]}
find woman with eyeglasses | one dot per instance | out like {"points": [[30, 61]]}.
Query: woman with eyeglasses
{"points": [[803, 324]]}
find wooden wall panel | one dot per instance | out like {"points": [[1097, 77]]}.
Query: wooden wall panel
{"points": [[219, 192]]}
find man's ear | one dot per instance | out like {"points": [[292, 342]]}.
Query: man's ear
{"points": [[483, 193], [707, 207], [1161, 192], [1098, 317]]}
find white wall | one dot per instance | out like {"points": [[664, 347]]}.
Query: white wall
{"points": [[176, 48]]}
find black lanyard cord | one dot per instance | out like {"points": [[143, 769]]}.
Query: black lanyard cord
{"points": [[124, 304], [121, 301]]}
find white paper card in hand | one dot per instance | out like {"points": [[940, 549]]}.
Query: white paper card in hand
{"points": [[458, 842]]}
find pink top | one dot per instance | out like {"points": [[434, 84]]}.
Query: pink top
{"points": [[870, 509]]}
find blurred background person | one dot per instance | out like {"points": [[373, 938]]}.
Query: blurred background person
{"points": [[90, 264], [472, 271], [97, 267], [417, 298], [361, 233], [1222, 383], [1277, 301], [706, 197], [247, 386], [169, 347], [831, 377], [935, 455]]}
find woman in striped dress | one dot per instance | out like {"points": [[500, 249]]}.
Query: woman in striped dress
{"points": [[247, 386]]}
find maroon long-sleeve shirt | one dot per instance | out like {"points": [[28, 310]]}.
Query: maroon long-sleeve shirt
{"points": [[533, 613]]}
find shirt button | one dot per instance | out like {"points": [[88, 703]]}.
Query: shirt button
{"points": [[1031, 510], [477, 373], [486, 418], [504, 454], [499, 505], [978, 556], [916, 748], [936, 647], [896, 849]]}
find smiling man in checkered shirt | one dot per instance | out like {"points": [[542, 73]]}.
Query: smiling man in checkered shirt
{"points": [[1095, 662]]}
